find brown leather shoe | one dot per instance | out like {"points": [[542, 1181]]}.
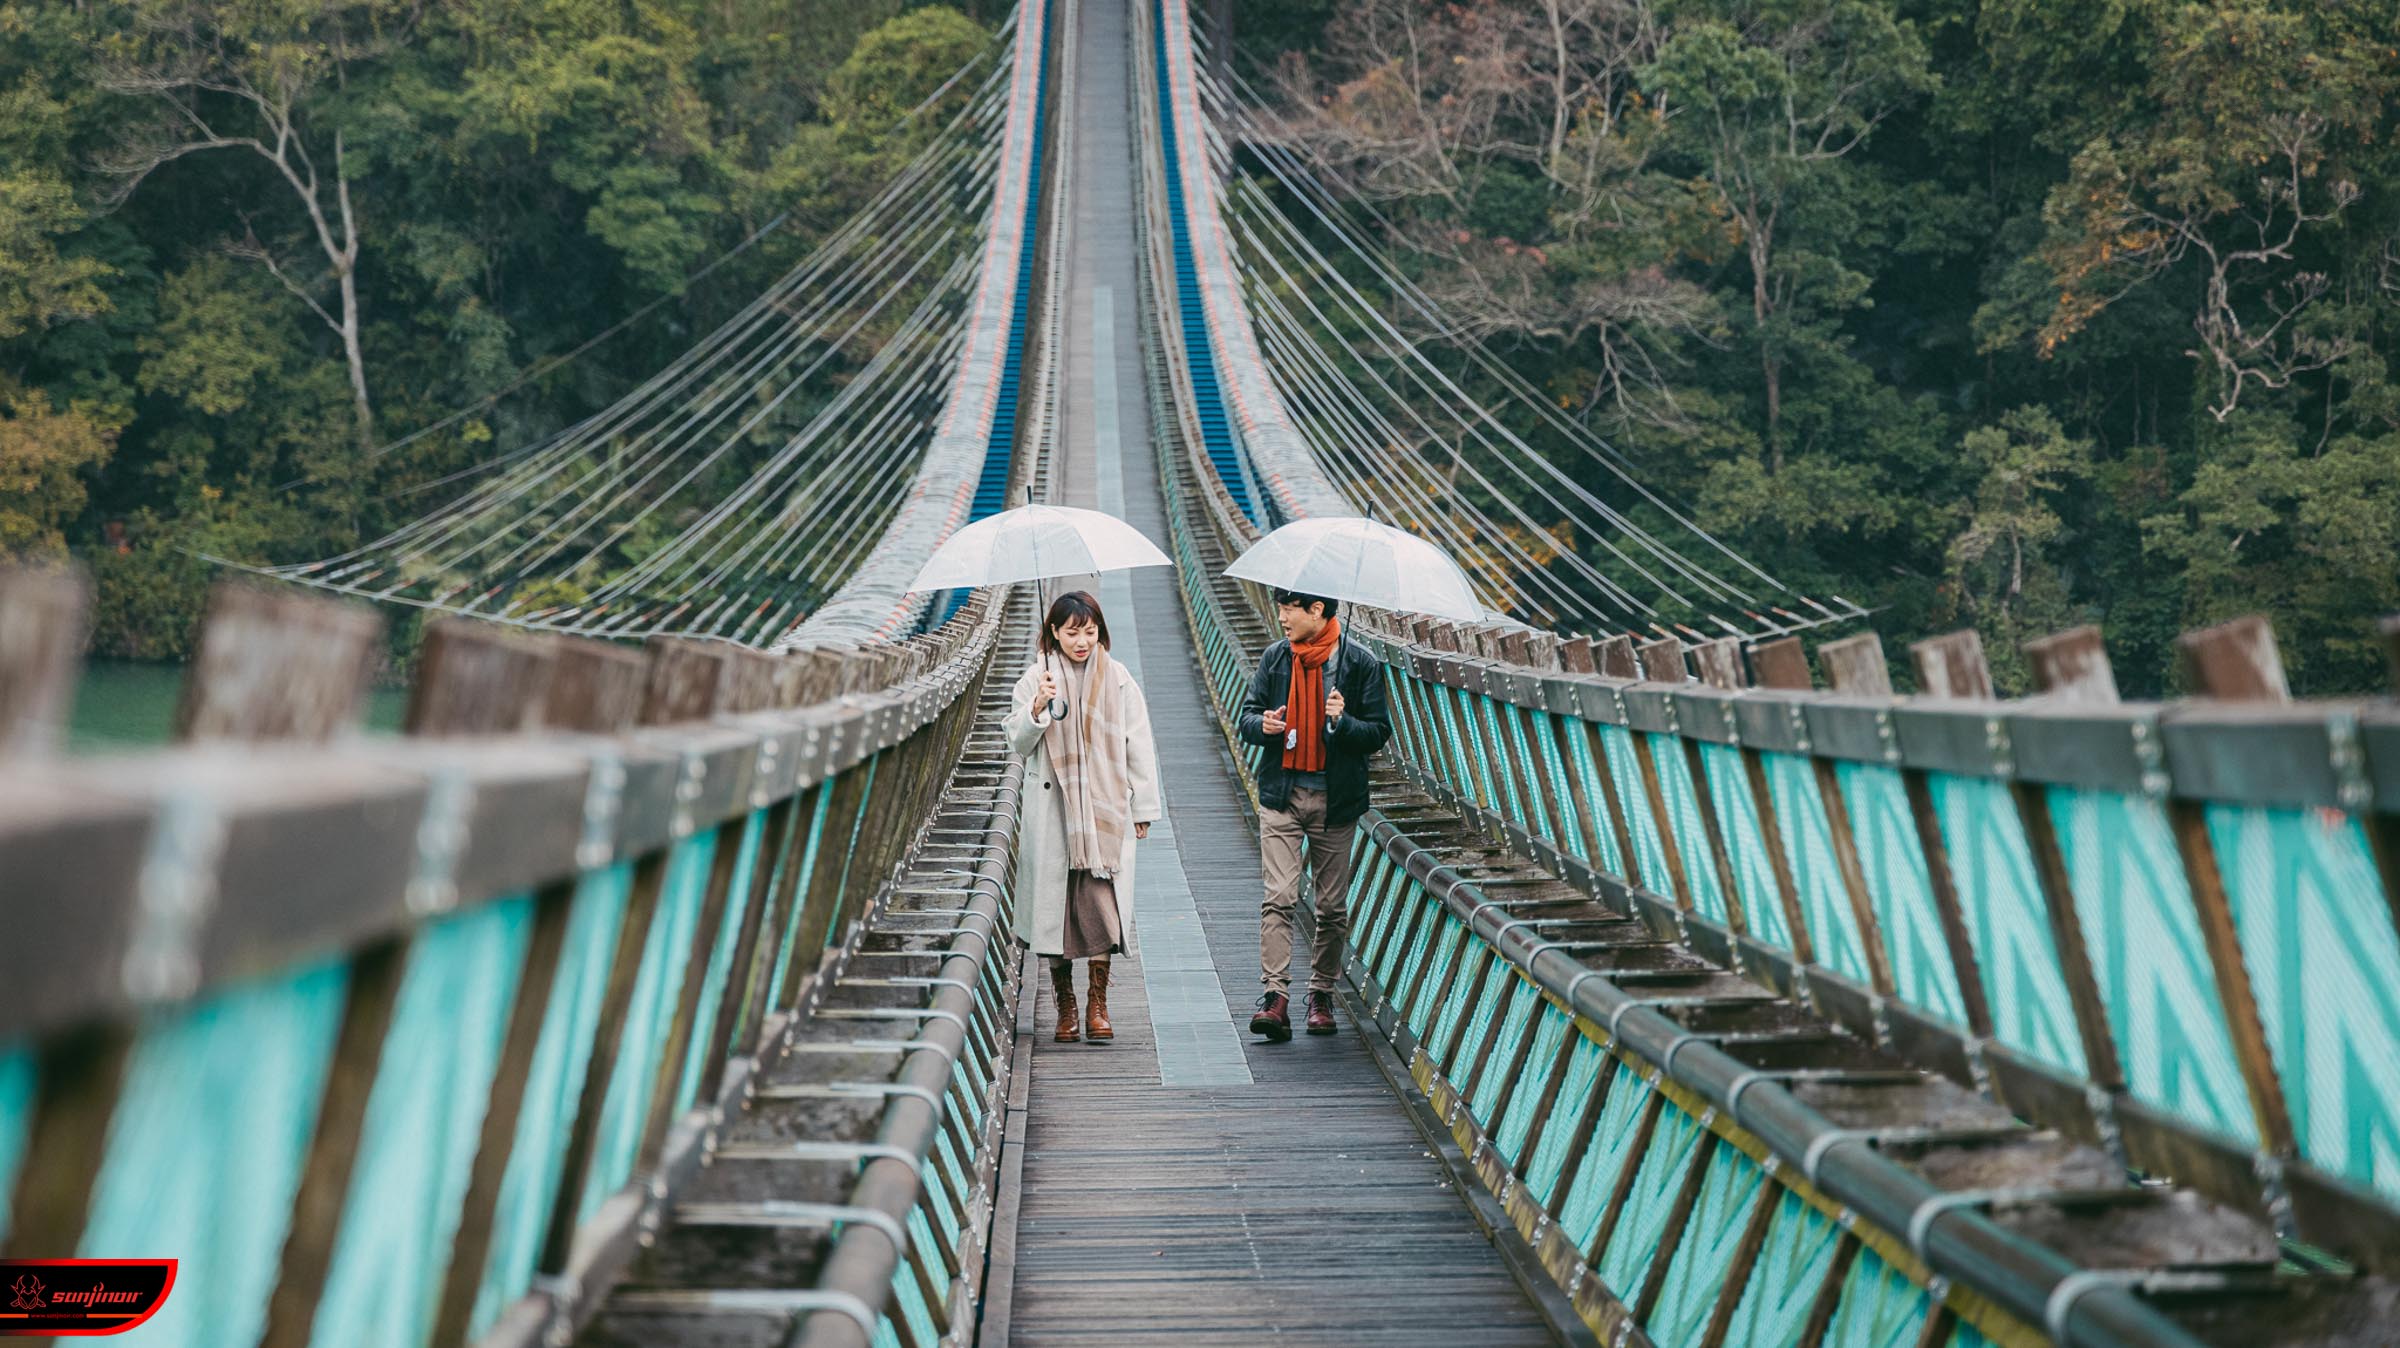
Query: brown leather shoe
{"points": [[1062, 983], [1320, 1013], [1096, 1029], [1273, 1018]]}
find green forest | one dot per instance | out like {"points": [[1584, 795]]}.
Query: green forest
{"points": [[2015, 314], [251, 250]]}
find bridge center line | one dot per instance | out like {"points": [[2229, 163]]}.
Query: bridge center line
{"points": [[1195, 1037]]}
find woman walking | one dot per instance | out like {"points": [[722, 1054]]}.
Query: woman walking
{"points": [[1090, 792]]}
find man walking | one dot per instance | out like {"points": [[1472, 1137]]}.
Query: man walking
{"points": [[1316, 708]]}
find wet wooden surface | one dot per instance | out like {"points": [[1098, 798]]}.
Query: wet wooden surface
{"points": [[1303, 1207]]}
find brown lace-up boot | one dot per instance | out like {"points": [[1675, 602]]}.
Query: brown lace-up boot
{"points": [[1096, 1028], [1062, 982]]}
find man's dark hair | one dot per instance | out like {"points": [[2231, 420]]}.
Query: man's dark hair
{"points": [[1066, 609], [1299, 600]]}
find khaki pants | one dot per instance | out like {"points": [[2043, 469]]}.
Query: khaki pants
{"points": [[1280, 834]]}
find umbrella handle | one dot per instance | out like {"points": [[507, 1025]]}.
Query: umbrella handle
{"points": [[1058, 705]]}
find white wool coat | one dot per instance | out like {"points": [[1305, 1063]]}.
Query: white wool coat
{"points": [[1042, 828]]}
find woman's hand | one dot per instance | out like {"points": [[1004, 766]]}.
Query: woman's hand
{"points": [[1043, 696], [1141, 830]]}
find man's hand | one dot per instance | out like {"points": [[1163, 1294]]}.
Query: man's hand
{"points": [[1272, 722], [1141, 830], [1334, 705]]}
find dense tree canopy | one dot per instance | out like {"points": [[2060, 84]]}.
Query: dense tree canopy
{"points": [[2005, 313], [248, 246], [1976, 311]]}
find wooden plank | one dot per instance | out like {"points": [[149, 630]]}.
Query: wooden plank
{"points": [[1855, 665], [1579, 1142], [1719, 663], [1662, 660], [43, 616], [1713, 827], [2189, 821], [278, 665], [1618, 820], [1952, 666], [478, 678], [1575, 656], [77, 1076], [1543, 650], [1590, 814], [1779, 862], [1540, 793], [2236, 661], [1645, 759], [1854, 875], [824, 880], [2072, 666], [722, 860], [1745, 1260], [1617, 659], [373, 991], [608, 1038], [1623, 1188], [595, 687], [2101, 1063], [471, 1248], [747, 976], [1931, 845], [1780, 663], [1695, 1173], [284, 665], [1829, 1294], [687, 680]]}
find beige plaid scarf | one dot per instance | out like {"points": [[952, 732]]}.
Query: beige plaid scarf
{"points": [[1087, 757]]}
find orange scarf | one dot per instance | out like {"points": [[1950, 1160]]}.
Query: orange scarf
{"points": [[1304, 709]]}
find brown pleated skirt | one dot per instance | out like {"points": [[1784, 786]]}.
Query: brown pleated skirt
{"points": [[1091, 927]]}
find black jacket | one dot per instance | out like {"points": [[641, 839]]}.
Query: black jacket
{"points": [[1362, 729]]}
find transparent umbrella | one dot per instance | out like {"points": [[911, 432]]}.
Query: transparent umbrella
{"points": [[1033, 542], [1364, 562], [1036, 541]]}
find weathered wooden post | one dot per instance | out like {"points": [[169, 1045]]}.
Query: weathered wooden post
{"points": [[2235, 661], [1720, 663], [1855, 666], [1662, 660], [1575, 656], [2072, 666], [478, 678], [1780, 663], [1952, 666], [1617, 659], [687, 680], [42, 615], [278, 665], [596, 687]]}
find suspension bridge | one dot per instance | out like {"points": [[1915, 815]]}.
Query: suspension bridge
{"points": [[656, 986]]}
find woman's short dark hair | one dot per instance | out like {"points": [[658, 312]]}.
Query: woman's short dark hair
{"points": [[1299, 600], [1066, 609]]}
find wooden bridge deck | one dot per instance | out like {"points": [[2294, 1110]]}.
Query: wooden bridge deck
{"points": [[1287, 1195]]}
